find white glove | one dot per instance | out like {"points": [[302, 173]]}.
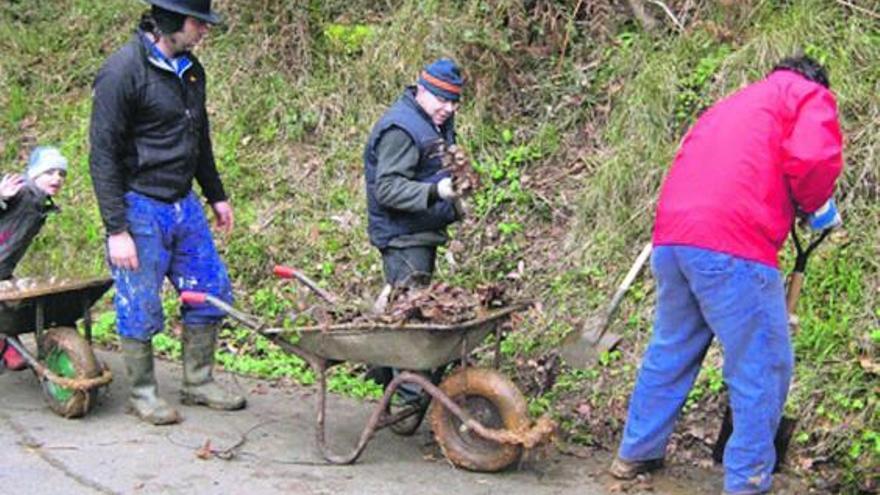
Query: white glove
{"points": [[445, 189]]}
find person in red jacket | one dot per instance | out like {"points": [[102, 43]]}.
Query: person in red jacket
{"points": [[747, 167]]}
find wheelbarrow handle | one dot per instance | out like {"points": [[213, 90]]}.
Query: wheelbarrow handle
{"points": [[197, 298], [193, 298], [289, 272], [284, 271]]}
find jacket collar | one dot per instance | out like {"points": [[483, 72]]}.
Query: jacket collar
{"points": [[177, 66]]}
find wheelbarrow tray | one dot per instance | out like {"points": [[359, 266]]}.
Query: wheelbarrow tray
{"points": [[406, 346], [63, 301]]}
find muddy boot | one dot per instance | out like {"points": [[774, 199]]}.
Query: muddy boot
{"points": [[144, 401], [199, 386]]}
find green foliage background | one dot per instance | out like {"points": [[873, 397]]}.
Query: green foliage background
{"points": [[572, 118]]}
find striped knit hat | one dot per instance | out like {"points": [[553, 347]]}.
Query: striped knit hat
{"points": [[442, 78]]}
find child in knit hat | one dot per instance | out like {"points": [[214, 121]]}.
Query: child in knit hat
{"points": [[25, 203]]}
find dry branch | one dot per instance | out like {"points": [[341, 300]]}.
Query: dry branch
{"points": [[863, 10], [645, 19]]}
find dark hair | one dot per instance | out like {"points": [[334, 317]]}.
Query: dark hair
{"points": [[161, 21], [805, 66]]}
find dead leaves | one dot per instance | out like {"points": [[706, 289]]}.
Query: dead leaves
{"points": [[438, 303], [465, 179], [441, 303]]}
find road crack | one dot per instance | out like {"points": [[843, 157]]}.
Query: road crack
{"points": [[35, 446]]}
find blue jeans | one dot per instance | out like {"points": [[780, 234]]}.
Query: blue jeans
{"points": [[173, 240], [703, 294]]}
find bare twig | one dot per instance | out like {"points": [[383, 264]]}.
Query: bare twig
{"points": [[577, 8], [863, 10], [645, 19], [669, 13]]}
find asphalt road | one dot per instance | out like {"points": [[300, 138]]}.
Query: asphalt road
{"points": [[110, 451]]}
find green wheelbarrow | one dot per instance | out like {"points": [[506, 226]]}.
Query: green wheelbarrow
{"points": [[69, 373]]}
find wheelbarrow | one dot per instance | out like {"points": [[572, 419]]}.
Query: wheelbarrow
{"points": [[68, 371], [479, 417]]}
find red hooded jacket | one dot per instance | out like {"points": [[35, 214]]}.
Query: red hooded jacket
{"points": [[747, 164]]}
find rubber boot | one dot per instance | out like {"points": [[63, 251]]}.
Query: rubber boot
{"points": [[199, 387], [144, 401]]}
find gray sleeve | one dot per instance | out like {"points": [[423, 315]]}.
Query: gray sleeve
{"points": [[396, 188]]}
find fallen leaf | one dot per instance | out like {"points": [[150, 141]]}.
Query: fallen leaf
{"points": [[869, 365], [204, 452]]}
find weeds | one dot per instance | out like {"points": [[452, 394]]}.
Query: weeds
{"points": [[571, 154]]}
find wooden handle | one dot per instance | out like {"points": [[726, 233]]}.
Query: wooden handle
{"points": [[634, 271], [795, 283], [629, 278]]}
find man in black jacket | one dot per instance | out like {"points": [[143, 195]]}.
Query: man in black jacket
{"points": [[149, 139]]}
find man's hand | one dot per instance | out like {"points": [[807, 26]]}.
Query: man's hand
{"points": [[445, 189], [10, 185], [122, 251], [223, 213], [826, 217]]}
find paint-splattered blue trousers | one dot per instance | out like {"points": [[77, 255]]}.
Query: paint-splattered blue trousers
{"points": [[173, 240], [703, 294]]}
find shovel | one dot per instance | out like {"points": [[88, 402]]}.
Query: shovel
{"points": [[581, 349], [793, 291]]}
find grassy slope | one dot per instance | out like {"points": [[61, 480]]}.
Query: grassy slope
{"points": [[572, 150]]}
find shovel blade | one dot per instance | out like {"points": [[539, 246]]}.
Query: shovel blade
{"points": [[583, 349]]}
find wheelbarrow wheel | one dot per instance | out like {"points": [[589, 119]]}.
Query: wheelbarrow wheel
{"points": [[490, 398], [67, 354]]}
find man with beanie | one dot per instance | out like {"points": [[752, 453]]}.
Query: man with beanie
{"points": [[149, 139], [25, 203], [410, 200], [745, 169]]}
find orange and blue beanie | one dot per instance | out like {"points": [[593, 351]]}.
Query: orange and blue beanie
{"points": [[442, 78]]}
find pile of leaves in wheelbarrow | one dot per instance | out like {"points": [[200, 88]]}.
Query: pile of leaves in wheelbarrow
{"points": [[437, 303]]}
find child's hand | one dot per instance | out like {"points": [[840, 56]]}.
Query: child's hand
{"points": [[10, 185]]}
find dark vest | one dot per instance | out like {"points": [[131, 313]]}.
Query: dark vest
{"points": [[384, 224]]}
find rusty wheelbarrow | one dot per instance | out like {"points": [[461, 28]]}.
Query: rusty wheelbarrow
{"points": [[479, 417], [68, 370]]}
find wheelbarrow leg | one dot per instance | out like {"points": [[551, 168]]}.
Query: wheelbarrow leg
{"points": [[87, 318], [378, 419], [367, 433]]}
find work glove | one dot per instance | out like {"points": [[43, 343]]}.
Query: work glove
{"points": [[826, 217], [445, 189]]}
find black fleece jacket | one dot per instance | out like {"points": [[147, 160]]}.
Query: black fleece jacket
{"points": [[149, 133]]}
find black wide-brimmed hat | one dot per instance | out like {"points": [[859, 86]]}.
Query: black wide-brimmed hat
{"points": [[200, 9]]}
